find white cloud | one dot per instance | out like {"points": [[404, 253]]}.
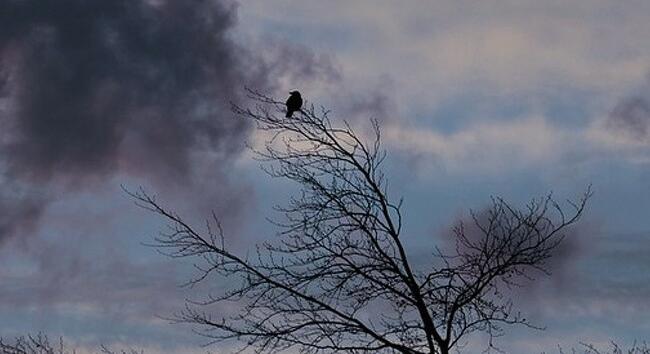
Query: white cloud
{"points": [[440, 49], [484, 146], [618, 142]]}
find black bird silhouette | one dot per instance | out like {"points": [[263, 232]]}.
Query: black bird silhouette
{"points": [[294, 102]]}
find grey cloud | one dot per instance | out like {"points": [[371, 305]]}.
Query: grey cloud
{"points": [[94, 93], [115, 294], [631, 115], [91, 277], [294, 63], [19, 211], [377, 103], [607, 283], [136, 87]]}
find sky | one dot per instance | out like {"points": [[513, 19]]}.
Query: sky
{"points": [[475, 99]]}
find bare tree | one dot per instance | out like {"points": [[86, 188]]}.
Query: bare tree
{"points": [[636, 348], [614, 348], [33, 344], [40, 344], [338, 278]]}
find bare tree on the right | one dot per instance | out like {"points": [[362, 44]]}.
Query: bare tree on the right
{"points": [[339, 277], [613, 348]]}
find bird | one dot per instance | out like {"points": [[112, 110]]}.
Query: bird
{"points": [[294, 102]]}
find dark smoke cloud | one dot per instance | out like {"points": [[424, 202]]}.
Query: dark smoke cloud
{"points": [[377, 103], [632, 115], [559, 265], [19, 211], [94, 88], [91, 74]]}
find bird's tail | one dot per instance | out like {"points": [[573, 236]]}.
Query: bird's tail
{"points": [[289, 114]]}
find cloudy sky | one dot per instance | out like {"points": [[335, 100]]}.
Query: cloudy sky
{"points": [[507, 98]]}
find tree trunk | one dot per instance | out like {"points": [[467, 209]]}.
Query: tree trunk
{"points": [[444, 349]]}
